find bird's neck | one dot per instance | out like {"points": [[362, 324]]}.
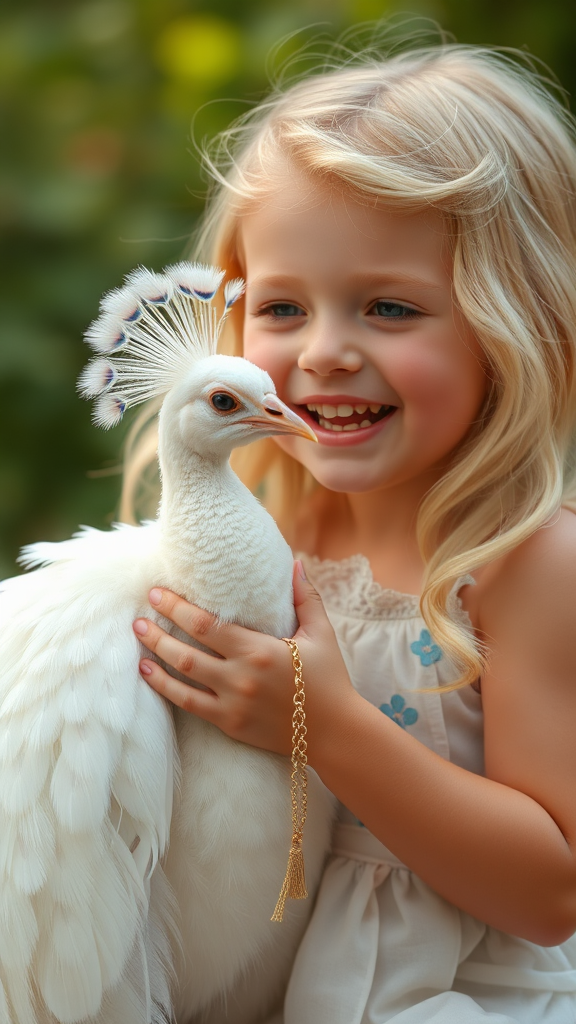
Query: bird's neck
{"points": [[191, 490], [208, 520]]}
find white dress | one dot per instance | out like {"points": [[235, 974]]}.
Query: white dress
{"points": [[381, 945]]}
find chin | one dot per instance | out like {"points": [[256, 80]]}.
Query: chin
{"points": [[341, 471], [354, 482]]}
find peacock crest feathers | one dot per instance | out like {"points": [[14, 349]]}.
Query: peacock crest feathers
{"points": [[148, 334]]}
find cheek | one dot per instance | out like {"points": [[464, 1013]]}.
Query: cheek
{"points": [[268, 356], [445, 384]]}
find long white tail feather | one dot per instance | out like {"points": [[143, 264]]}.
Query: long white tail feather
{"points": [[161, 937], [20, 999], [5, 1016], [29, 849], [23, 780], [19, 929]]}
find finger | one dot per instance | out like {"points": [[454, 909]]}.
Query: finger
{"points": [[203, 703], [307, 602], [188, 661], [223, 638]]}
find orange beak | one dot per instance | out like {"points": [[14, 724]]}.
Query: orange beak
{"points": [[278, 417]]}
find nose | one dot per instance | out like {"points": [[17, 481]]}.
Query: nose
{"points": [[328, 347]]}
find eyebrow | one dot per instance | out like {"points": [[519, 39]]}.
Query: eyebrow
{"points": [[362, 280]]}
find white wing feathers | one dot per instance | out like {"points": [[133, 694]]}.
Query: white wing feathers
{"points": [[86, 780]]}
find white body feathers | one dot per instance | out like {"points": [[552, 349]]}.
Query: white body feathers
{"points": [[90, 757], [86, 763], [87, 766]]}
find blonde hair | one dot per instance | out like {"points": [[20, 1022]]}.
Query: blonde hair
{"points": [[475, 136]]}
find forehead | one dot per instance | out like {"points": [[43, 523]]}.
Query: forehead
{"points": [[303, 225]]}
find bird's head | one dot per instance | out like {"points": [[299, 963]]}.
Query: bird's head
{"points": [[157, 336], [225, 402]]}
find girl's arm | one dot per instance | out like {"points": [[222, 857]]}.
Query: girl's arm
{"points": [[500, 847]]}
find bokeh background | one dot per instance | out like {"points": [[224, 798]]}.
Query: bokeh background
{"points": [[102, 106]]}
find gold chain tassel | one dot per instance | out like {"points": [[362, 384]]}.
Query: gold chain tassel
{"points": [[294, 884]]}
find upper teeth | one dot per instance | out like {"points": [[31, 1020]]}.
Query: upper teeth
{"points": [[328, 412]]}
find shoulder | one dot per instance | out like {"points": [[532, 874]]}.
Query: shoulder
{"points": [[523, 610], [526, 615], [535, 579]]}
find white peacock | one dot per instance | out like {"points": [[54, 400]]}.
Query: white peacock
{"points": [[106, 888]]}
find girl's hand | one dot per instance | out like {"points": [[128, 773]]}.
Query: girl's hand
{"points": [[248, 684]]}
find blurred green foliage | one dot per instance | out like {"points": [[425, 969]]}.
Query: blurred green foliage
{"points": [[98, 174]]}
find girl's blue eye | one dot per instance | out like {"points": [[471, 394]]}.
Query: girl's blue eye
{"points": [[392, 310], [280, 310]]}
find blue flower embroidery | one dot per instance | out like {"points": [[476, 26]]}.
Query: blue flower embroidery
{"points": [[397, 711], [425, 649]]}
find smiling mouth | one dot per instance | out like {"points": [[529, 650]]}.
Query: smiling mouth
{"points": [[348, 417]]}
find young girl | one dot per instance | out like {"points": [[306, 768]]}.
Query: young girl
{"points": [[407, 230]]}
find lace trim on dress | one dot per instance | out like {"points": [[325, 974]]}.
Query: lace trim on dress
{"points": [[348, 586]]}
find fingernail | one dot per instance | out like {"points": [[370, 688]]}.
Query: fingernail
{"points": [[140, 627], [155, 596], [300, 568], [146, 668]]}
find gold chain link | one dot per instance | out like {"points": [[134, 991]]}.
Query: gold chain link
{"points": [[294, 886]]}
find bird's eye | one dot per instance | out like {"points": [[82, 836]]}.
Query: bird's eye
{"points": [[221, 401]]}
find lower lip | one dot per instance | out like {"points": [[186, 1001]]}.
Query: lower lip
{"points": [[344, 438]]}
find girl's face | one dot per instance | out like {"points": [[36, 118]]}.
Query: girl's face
{"points": [[349, 308]]}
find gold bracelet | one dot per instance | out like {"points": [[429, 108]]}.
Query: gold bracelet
{"points": [[294, 885]]}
